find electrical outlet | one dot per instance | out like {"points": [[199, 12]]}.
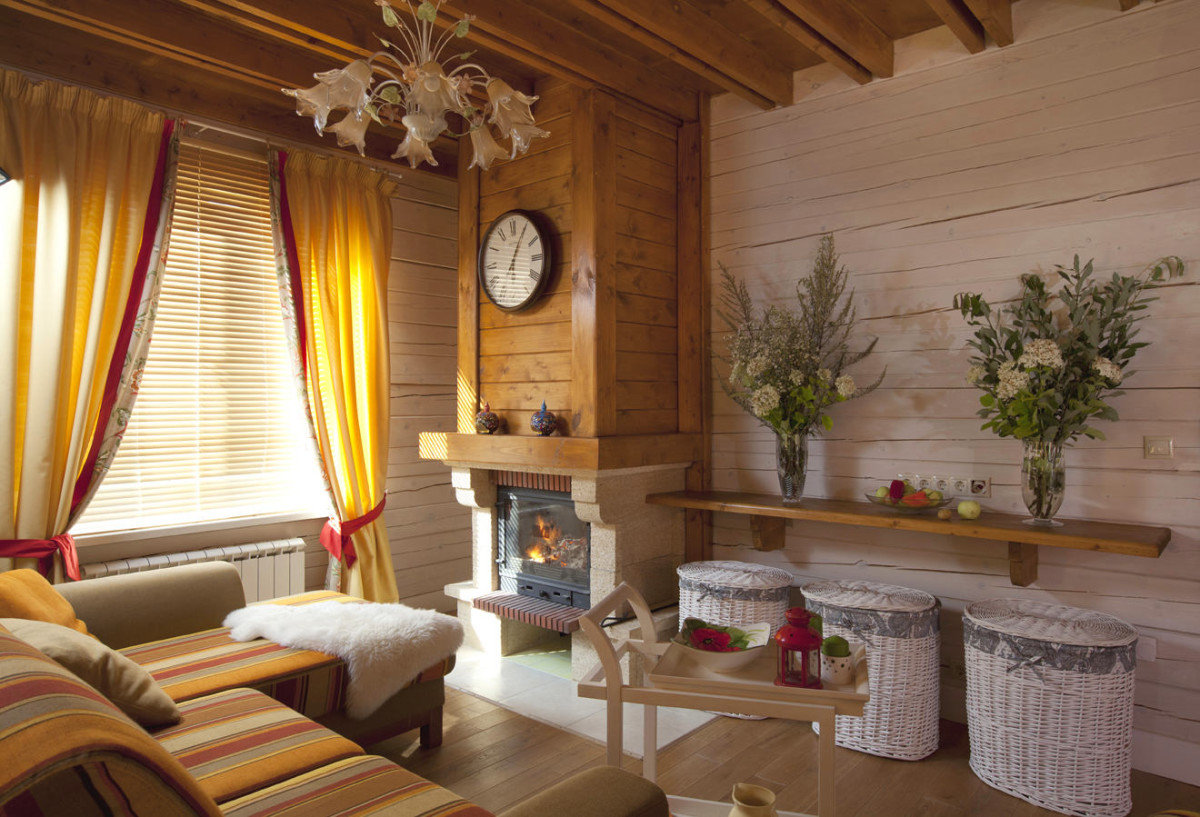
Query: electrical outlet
{"points": [[948, 485], [981, 487], [1158, 448]]}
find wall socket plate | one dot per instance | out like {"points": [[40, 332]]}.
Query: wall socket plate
{"points": [[950, 485], [1158, 448]]}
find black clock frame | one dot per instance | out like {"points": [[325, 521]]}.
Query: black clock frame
{"points": [[543, 231]]}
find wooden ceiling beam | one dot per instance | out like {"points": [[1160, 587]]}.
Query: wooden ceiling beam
{"points": [[690, 38], [68, 49], [996, 17], [959, 19], [850, 30], [808, 37], [520, 31]]}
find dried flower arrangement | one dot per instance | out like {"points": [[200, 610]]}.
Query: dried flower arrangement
{"points": [[788, 365]]}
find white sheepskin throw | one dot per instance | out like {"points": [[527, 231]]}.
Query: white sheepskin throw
{"points": [[385, 646]]}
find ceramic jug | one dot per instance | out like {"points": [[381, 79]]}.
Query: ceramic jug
{"points": [[752, 801]]}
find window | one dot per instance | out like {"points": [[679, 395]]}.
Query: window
{"points": [[217, 431]]}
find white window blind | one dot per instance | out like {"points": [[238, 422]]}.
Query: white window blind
{"points": [[217, 431]]}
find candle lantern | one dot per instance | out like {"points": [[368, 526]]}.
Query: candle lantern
{"points": [[799, 651]]}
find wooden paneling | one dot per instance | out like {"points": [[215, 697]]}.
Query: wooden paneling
{"points": [[648, 174], [963, 176], [429, 531], [524, 356], [593, 285]]}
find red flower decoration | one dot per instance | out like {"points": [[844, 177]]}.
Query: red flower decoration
{"points": [[704, 638]]}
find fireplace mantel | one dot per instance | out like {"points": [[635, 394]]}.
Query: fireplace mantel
{"points": [[561, 454]]}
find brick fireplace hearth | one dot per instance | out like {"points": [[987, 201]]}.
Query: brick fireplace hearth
{"points": [[630, 541]]}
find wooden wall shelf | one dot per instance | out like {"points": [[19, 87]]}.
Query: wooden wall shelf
{"points": [[768, 517]]}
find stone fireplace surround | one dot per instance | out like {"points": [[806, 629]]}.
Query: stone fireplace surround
{"points": [[631, 541]]}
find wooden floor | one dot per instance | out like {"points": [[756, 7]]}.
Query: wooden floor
{"points": [[496, 758]]}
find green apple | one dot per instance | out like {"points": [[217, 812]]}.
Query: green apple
{"points": [[969, 509], [881, 492], [934, 496]]}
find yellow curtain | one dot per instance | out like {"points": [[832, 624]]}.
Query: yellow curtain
{"points": [[71, 223], [341, 222]]}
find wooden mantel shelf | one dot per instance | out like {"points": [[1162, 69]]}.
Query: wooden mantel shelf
{"points": [[512, 451], [768, 516]]}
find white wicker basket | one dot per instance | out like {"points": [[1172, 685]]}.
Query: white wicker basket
{"points": [[1050, 704], [900, 628], [733, 593]]}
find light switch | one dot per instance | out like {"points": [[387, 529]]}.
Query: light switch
{"points": [[1158, 448]]}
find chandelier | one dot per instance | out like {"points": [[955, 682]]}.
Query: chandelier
{"points": [[418, 93]]}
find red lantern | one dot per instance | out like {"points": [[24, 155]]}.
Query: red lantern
{"points": [[799, 652]]}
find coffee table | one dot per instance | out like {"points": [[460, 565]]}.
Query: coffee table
{"points": [[673, 679]]}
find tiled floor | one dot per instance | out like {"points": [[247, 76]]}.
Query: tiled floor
{"points": [[551, 699]]}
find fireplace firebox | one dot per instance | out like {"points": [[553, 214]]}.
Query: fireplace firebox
{"points": [[544, 549]]}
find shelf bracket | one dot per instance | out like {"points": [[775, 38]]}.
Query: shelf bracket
{"points": [[767, 532], [1022, 563]]}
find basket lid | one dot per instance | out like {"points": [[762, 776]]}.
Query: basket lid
{"points": [[869, 596], [736, 574], [1053, 623]]}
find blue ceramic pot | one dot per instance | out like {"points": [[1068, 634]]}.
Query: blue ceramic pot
{"points": [[544, 422]]}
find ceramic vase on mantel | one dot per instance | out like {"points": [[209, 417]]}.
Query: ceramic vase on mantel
{"points": [[1043, 481], [750, 800], [791, 459]]}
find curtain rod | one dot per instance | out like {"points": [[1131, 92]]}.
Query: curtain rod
{"points": [[270, 140]]}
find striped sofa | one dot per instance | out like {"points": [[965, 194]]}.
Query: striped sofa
{"points": [[261, 733]]}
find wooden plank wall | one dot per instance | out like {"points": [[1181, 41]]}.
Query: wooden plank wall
{"points": [[430, 532], [525, 357], [963, 173], [647, 397]]}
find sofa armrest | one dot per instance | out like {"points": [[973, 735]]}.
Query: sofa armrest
{"points": [[136, 608], [604, 791]]}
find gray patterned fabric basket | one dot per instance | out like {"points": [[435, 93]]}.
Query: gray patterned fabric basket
{"points": [[733, 594], [1050, 704], [900, 629]]}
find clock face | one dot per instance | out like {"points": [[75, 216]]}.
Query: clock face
{"points": [[514, 261]]}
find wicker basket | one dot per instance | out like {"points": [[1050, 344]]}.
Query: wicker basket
{"points": [[733, 593], [1050, 704], [900, 629]]}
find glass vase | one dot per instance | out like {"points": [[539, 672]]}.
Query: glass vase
{"points": [[791, 458], [1043, 481]]}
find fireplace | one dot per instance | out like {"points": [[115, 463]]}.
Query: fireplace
{"points": [[543, 548]]}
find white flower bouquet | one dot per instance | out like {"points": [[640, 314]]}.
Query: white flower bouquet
{"points": [[1049, 362]]}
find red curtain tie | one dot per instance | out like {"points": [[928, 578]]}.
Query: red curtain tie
{"points": [[337, 540], [43, 550]]}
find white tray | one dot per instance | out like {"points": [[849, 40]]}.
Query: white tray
{"points": [[679, 671]]}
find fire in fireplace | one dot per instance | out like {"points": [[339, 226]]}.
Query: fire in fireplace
{"points": [[544, 548]]}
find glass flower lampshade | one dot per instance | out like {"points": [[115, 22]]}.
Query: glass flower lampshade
{"points": [[487, 149]]}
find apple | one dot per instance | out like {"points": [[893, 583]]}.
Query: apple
{"points": [[969, 509], [935, 496], [882, 492]]}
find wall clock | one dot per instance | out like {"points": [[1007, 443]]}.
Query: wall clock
{"points": [[514, 260]]}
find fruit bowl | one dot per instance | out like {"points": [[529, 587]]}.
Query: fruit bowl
{"points": [[888, 502], [754, 637]]}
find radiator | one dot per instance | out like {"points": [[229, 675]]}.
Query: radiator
{"points": [[269, 569]]}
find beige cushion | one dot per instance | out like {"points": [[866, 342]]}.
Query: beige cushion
{"points": [[128, 686]]}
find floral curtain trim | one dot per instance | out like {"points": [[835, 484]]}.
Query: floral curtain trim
{"points": [[1033, 653], [281, 230], [726, 593], [891, 624], [134, 362]]}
